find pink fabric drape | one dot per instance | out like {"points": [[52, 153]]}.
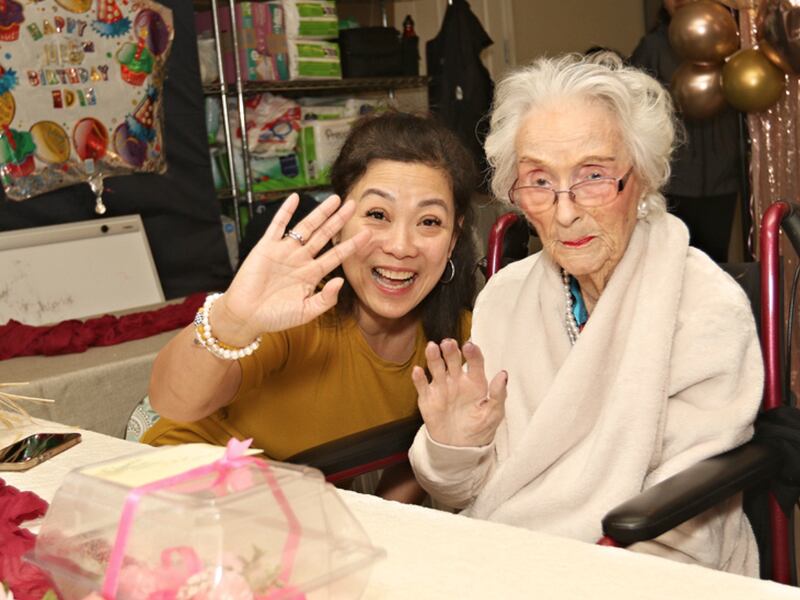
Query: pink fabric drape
{"points": [[26, 581], [18, 339]]}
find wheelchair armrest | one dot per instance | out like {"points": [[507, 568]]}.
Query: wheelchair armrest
{"points": [[362, 452], [692, 491]]}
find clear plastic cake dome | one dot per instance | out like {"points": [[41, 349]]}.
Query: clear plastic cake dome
{"points": [[155, 527]]}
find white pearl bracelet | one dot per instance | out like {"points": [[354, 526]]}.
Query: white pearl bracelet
{"points": [[204, 336]]}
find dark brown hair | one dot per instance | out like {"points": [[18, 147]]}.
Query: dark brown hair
{"points": [[409, 138]]}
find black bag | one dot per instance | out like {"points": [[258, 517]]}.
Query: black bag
{"points": [[409, 49], [370, 52]]}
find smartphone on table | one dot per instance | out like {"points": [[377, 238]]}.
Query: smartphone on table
{"points": [[34, 449]]}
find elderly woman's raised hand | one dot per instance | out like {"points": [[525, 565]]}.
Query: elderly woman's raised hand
{"points": [[276, 286], [460, 407]]}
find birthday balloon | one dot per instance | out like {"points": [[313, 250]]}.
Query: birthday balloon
{"points": [[697, 89], [750, 82], [703, 32], [80, 92]]}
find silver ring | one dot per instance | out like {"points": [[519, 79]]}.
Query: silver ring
{"points": [[295, 236]]}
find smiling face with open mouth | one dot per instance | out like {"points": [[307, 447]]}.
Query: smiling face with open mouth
{"points": [[410, 211]]}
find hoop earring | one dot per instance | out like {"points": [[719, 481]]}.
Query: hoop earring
{"points": [[452, 266], [642, 210]]}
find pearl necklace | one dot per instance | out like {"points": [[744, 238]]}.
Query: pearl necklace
{"points": [[569, 318]]}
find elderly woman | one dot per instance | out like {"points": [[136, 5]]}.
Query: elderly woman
{"points": [[618, 355]]}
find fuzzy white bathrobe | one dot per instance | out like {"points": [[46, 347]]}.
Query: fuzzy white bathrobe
{"points": [[667, 372]]}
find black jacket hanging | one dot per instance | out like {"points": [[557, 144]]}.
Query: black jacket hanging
{"points": [[460, 89]]}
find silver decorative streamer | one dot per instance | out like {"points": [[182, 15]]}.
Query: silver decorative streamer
{"points": [[774, 164]]}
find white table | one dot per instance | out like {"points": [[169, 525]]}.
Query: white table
{"points": [[432, 554]]}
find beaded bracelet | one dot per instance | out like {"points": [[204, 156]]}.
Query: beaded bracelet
{"points": [[204, 336]]}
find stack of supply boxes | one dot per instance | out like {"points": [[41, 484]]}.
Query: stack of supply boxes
{"points": [[310, 27], [324, 127], [317, 128], [261, 38], [292, 143], [278, 40], [273, 133]]}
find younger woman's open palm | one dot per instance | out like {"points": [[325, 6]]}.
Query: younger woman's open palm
{"points": [[276, 286]]}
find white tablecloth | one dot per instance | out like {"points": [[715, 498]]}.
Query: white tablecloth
{"points": [[432, 554], [97, 389]]}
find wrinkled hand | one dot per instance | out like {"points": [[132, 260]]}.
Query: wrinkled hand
{"points": [[276, 286], [459, 408]]}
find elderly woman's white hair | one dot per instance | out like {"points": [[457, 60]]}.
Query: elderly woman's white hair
{"points": [[642, 107]]}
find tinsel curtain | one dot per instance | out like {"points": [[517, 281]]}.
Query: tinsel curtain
{"points": [[775, 167]]}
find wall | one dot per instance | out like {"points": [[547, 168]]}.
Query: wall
{"points": [[495, 15], [525, 29], [542, 27]]}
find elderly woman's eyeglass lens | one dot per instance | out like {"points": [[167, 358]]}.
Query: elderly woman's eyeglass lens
{"points": [[587, 194]]}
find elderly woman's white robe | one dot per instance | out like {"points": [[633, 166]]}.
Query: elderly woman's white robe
{"points": [[666, 372]]}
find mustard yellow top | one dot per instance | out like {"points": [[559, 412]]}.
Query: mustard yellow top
{"points": [[307, 386]]}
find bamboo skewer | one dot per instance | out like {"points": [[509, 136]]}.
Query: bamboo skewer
{"points": [[11, 403]]}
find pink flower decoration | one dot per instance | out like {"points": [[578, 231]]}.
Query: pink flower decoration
{"points": [[236, 448]]}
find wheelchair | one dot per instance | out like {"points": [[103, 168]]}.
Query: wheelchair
{"points": [[751, 468]]}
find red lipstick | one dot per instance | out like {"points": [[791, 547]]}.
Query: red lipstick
{"points": [[579, 242]]}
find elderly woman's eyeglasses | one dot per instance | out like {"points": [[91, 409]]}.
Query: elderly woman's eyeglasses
{"points": [[590, 193]]}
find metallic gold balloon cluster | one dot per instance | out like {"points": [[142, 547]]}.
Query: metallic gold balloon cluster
{"points": [[715, 72]]}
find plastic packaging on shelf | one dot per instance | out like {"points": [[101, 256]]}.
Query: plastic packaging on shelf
{"points": [[272, 173], [320, 142], [220, 172], [198, 521], [207, 57], [314, 108], [311, 19], [273, 124], [261, 42], [213, 112], [313, 59]]}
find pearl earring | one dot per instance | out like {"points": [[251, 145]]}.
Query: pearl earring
{"points": [[642, 210]]}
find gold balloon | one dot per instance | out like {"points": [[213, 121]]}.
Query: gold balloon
{"points": [[779, 33], [704, 32], [750, 82], [697, 89]]}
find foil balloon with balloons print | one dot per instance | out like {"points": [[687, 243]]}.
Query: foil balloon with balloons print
{"points": [[80, 92]]}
